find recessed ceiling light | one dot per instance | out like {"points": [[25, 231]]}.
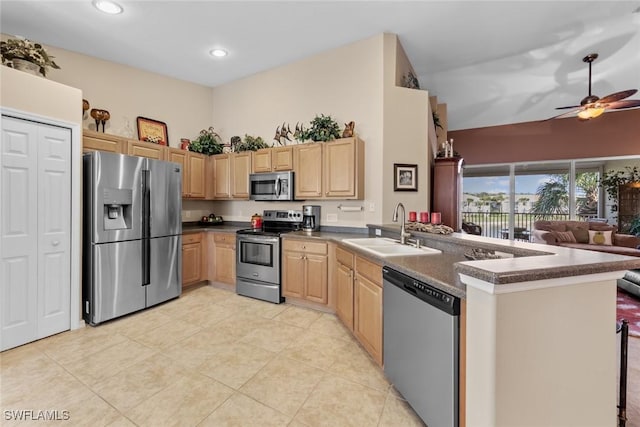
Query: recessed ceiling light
{"points": [[107, 6], [218, 53]]}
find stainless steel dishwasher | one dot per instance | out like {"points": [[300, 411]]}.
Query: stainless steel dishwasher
{"points": [[421, 346]]}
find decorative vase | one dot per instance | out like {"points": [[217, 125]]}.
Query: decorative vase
{"points": [[26, 66]]}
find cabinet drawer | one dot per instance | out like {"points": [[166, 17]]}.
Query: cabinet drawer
{"points": [[369, 270], [344, 257], [191, 238], [305, 246], [224, 238]]}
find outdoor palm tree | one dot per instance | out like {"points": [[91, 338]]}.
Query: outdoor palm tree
{"points": [[554, 194]]}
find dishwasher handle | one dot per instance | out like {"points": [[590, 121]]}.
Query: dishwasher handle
{"points": [[429, 294]]}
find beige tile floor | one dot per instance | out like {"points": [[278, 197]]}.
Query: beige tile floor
{"points": [[210, 358]]}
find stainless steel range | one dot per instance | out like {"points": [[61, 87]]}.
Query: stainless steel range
{"points": [[258, 255]]}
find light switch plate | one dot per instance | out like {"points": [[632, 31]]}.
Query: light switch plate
{"points": [[332, 217]]}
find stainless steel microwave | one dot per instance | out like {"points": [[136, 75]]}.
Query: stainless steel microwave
{"points": [[271, 186]]}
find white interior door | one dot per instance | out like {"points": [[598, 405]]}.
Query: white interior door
{"points": [[18, 232], [54, 241], [34, 250]]}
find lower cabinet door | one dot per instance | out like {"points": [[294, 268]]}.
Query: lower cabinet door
{"points": [[316, 278], [191, 263], [344, 295], [293, 275], [226, 264], [368, 316]]}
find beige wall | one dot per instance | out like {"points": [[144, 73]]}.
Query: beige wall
{"points": [[345, 83], [128, 92], [405, 133]]}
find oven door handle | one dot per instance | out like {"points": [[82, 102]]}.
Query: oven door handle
{"points": [[258, 239]]}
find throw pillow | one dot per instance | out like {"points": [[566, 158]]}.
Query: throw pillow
{"points": [[564, 236], [600, 237], [581, 235]]}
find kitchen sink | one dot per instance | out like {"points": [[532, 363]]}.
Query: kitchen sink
{"points": [[384, 247]]}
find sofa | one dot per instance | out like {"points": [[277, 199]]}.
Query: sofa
{"points": [[592, 236]]}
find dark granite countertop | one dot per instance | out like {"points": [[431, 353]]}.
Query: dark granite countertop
{"points": [[529, 261], [196, 227]]}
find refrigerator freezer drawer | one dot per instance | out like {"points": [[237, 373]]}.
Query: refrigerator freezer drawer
{"points": [[116, 288], [165, 269]]}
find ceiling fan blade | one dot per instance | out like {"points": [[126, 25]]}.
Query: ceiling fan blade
{"points": [[617, 96], [627, 103], [563, 114], [564, 108]]}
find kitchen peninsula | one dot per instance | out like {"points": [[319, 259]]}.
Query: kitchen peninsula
{"points": [[540, 325]]}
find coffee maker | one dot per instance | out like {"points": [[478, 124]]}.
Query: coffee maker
{"points": [[310, 217]]}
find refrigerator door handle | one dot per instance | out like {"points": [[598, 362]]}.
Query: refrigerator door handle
{"points": [[146, 228]]}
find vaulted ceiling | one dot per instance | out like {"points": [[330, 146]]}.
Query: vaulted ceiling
{"points": [[491, 62]]}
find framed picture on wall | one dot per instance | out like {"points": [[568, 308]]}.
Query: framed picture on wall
{"points": [[405, 177], [152, 131]]}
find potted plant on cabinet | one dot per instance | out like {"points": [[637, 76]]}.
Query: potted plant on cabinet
{"points": [[208, 142], [250, 143], [323, 128], [25, 55]]}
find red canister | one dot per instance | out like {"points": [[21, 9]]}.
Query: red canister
{"points": [[412, 216], [256, 221], [424, 217], [436, 218]]}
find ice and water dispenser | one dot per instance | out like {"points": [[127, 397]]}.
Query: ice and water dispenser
{"points": [[117, 208]]}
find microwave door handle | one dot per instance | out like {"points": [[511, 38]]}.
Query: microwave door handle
{"points": [[277, 187]]}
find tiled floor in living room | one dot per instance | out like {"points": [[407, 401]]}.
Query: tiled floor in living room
{"points": [[212, 358]]}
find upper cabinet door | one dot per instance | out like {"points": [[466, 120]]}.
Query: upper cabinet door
{"points": [[240, 170], [196, 175], [180, 156], [262, 160], [221, 168], [146, 149], [344, 169], [307, 160], [282, 158]]}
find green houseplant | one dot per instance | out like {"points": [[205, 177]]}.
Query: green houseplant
{"points": [[208, 142], [251, 143], [612, 179], [323, 128], [15, 50]]}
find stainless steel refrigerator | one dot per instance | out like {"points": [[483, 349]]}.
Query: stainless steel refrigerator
{"points": [[132, 256]]}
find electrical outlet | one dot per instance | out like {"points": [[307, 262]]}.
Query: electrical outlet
{"points": [[378, 232], [332, 217], [187, 214], [372, 207]]}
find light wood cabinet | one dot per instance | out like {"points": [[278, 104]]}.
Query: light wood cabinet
{"points": [[193, 172], [282, 158], [231, 176], [344, 283], [272, 159], [221, 171], [304, 270], [146, 149], [344, 169], [240, 170], [262, 160], [98, 141], [307, 160], [368, 307], [192, 256], [225, 257]]}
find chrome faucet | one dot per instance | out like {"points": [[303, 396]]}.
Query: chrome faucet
{"points": [[403, 233]]}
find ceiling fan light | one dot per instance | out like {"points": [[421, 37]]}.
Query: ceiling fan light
{"points": [[590, 113]]}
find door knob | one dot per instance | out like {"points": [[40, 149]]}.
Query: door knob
{"points": [[55, 242]]}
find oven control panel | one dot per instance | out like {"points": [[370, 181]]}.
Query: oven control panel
{"points": [[282, 215]]}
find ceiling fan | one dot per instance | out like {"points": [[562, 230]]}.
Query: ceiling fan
{"points": [[592, 106]]}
